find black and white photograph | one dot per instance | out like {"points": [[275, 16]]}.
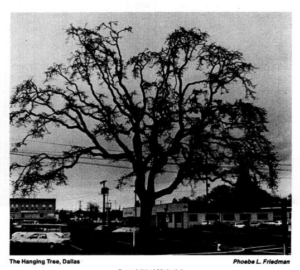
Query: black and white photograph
{"points": [[150, 134]]}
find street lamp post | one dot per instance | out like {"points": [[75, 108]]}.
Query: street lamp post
{"points": [[207, 185], [104, 192], [135, 210], [207, 201], [108, 207]]}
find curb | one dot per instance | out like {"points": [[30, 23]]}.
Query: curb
{"points": [[214, 253]]}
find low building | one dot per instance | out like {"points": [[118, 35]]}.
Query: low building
{"points": [[42, 210], [187, 215]]}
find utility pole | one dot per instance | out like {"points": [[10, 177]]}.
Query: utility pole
{"points": [[284, 226], [207, 199], [108, 207], [135, 210], [104, 192], [115, 202]]}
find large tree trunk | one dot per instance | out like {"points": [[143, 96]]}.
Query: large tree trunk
{"points": [[144, 239]]}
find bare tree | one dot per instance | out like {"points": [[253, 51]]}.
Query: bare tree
{"points": [[93, 207], [189, 105]]}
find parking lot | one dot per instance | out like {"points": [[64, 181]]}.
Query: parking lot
{"points": [[207, 240]]}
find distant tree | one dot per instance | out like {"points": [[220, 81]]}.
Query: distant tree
{"points": [[242, 196], [289, 199], [93, 208], [248, 194], [184, 199], [189, 105], [222, 197], [202, 200]]}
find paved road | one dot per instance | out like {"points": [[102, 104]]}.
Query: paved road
{"points": [[266, 250], [32, 250], [76, 250]]}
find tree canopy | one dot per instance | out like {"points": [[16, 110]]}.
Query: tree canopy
{"points": [[189, 105], [240, 197]]}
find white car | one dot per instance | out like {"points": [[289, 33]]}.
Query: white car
{"points": [[50, 239], [207, 222], [126, 230], [239, 225], [274, 223]]}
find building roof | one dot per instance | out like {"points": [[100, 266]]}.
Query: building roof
{"points": [[31, 199]]}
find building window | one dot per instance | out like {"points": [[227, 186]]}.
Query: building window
{"points": [[14, 208], [36, 206], [178, 217], [193, 217], [26, 206], [211, 217], [228, 217], [169, 217], [22, 206], [245, 217], [262, 216], [50, 206], [44, 206]]}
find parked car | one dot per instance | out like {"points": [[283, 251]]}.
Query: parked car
{"points": [[207, 222], [228, 223], [273, 223], [239, 225], [126, 230], [50, 239], [254, 224], [105, 228], [17, 225], [25, 221]]}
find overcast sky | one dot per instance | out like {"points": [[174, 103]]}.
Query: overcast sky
{"points": [[39, 40]]}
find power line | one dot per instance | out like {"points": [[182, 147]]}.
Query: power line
{"points": [[104, 159], [69, 145], [61, 144], [29, 154], [58, 154], [81, 162]]}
